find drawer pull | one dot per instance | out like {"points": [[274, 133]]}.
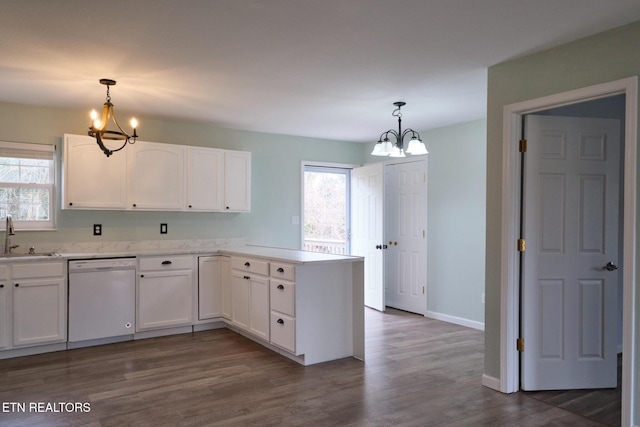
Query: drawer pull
{"points": [[280, 321], [247, 264], [142, 275], [166, 262], [17, 285], [280, 287], [247, 277], [280, 270], [1, 286]]}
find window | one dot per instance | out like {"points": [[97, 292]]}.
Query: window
{"points": [[326, 209], [27, 176]]}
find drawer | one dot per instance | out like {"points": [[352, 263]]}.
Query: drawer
{"points": [[283, 296], [170, 262], [251, 265], [283, 331], [34, 270], [283, 271]]}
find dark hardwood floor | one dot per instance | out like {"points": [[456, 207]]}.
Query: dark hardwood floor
{"points": [[419, 372]]}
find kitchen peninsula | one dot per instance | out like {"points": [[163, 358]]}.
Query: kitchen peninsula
{"points": [[307, 306]]}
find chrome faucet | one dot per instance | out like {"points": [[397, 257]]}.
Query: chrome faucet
{"points": [[9, 231]]}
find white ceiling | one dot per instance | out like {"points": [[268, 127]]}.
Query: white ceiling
{"points": [[320, 68]]}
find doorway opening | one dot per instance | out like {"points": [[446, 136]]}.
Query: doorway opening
{"points": [[326, 209], [510, 311]]}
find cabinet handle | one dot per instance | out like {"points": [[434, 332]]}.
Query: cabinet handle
{"points": [[190, 206], [247, 264], [280, 321], [1, 286], [70, 204], [17, 285], [247, 277], [280, 287], [134, 205], [142, 275], [166, 262], [280, 270], [227, 207]]}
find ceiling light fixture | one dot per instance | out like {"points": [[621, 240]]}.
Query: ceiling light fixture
{"points": [[384, 147], [98, 129]]}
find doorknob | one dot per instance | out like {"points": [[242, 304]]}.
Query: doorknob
{"points": [[610, 266]]}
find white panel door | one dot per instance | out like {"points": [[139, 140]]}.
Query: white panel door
{"points": [[405, 231], [367, 216], [569, 308]]}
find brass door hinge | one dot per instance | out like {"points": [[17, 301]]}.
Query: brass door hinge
{"points": [[520, 344], [522, 146], [522, 245]]}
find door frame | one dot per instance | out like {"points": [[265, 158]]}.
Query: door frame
{"points": [[509, 265]]}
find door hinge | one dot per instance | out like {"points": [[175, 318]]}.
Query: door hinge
{"points": [[522, 146], [522, 245], [423, 290], [424, 234], [520, 344]]}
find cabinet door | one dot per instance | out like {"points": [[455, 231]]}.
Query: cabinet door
{"points": [[241, 291], [156, 176], [5, 315], [227, 287], [209, 288], [165, 299], [39, 311], [259, 307], [205, 179], [237, 181], [91, 179]]}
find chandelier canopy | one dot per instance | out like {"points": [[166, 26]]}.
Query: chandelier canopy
{"points": [[98, 128], [384, 147]]}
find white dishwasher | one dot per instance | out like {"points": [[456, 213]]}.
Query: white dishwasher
{"points": [[102, 296]]}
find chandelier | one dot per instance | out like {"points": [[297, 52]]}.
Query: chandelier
{"points": [[98, 129], [384, 147]]}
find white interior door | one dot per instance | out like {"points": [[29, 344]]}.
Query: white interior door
{"points": [[405, 231], [569, 306], [367, 215]]}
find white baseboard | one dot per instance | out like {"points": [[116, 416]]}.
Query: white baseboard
{"points": [[491, 382], [456, 320]]}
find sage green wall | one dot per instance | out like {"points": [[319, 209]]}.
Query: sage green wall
{"points": [[275, 180], [605, 57], [456, 219]]}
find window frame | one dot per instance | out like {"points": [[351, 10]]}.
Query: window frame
{"points": [[32, 151], [341, 168]]}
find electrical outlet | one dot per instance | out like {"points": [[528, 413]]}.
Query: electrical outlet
{"points": [[163, 228], [97, 229]]}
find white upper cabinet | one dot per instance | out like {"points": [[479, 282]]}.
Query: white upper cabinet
{"points": [[92, 180], [205, 179], [237, 181], [152, 176], [156, 176]]}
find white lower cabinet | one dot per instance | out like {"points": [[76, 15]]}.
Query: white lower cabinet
{"points": [[250, 295], [39, 303], [283, 321], [209, 287], [5, 308], [165, 289]]}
